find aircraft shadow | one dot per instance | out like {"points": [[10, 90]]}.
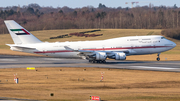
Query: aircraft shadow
{"points": [[126, 62]]}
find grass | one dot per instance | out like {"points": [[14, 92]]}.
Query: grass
{"points": [[44, 35], [118, 84]]}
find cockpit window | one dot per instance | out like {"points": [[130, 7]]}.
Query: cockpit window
{"points": [[163, 38]]}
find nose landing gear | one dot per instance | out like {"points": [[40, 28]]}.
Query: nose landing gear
{"points": [[158, 59]]}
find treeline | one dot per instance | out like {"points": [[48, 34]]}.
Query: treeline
{"points": [[33, 17], [172, 33]]}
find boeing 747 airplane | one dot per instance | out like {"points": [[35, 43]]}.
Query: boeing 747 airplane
{"points": [[94, 51]]}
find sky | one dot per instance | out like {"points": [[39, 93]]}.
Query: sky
{"points": [[85, 3]]}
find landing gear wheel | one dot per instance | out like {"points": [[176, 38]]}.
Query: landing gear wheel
{"points": [[103, 61], [97, 61], [158, 59]]}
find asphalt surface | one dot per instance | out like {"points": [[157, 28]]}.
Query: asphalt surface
{"points": [[15, 99], [8, 61]]}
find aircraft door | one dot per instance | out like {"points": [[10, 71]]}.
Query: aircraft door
{"points": [[103, 47]]}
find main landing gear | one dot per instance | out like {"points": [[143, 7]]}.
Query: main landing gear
{"points": [[158, 59], [97, 61]]}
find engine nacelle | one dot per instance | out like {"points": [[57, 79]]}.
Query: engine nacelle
{"points": [[120, 56], [101, 56]]}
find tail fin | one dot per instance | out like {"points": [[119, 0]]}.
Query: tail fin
{"points": [[19, 34]]}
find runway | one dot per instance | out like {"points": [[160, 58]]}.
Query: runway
{"points": [[8, 61]]}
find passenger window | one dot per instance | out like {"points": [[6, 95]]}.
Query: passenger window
{"points": [[133, 39], [163, 38]]}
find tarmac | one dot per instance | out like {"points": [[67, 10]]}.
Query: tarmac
{"points": [[15, 99], [10, 61]]}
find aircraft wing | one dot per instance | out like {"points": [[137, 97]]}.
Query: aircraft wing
{"points": [[91, 54], [91, 51]]}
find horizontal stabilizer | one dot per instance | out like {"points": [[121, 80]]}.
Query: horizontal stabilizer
{"points": [[18, 47], [21, 47]]}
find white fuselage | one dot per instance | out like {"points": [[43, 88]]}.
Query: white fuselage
{"points": [[134, 45]]}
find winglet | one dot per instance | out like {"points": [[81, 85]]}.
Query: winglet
{"points": [[70, 49]]}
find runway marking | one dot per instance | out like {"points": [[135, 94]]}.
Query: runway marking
{"points": [[8, 60], [151, 67], [52, 59]]}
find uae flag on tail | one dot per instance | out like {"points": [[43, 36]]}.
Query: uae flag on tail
{"points": [[20, 31]]}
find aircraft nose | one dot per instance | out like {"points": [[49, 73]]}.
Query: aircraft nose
{"points": [[171, 44], [174, 44]]}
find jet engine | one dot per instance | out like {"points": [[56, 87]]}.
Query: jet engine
{"points": [[101, 56], [118, 56]]}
